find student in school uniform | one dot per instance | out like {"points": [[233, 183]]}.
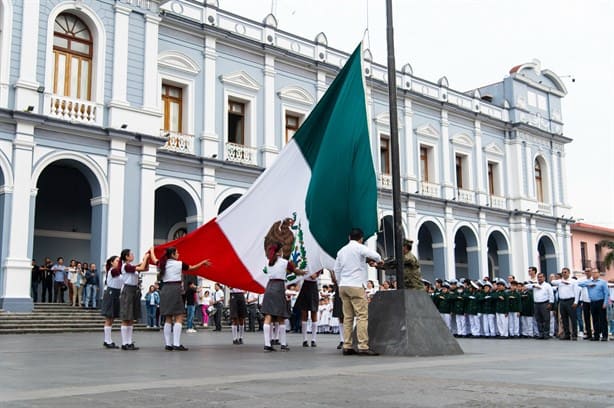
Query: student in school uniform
{"points": [[306, 302], [110, 298], [238, 313], [171, 301], [130, 297]]}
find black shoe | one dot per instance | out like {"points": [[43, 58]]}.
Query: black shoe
{"points": [[275, 342], [284, 347], [604, 339], [240, 341], [305, 343], [594, 339], [340, 345], [574, 339], [349, 352], [367, 352], [130, 347], [168, 348], [565, 338], [180, 348], [269, 348], [313, 344], [235, 341], [109, 345]]}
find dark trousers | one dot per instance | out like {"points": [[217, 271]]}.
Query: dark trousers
{"points": [[252, 315], [58, 293], [217, 318], [586, 310], [34, 290], [47, 291], [568, 317], [542, 318], [600, 324]]}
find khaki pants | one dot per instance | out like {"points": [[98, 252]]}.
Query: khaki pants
{"points": [[355, 305]]}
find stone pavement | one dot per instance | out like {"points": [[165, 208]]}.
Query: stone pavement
{"points": [[73, 370]]}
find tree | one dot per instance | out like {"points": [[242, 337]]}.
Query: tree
{"points": [[608, 259]]}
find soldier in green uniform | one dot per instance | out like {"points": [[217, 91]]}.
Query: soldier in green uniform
{"points": [[502, 309], [526, 312], [471, 308], [459, 311], [488, 310], [411, 267], [515, 304], [444, 304]]}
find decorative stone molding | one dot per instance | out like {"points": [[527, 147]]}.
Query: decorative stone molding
{"points": [[240, 79]]}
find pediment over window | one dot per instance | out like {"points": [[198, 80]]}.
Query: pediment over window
{"points": [[178, 61], [427, 131], [383, 120], [240, 79], [462, 139], [493, 148], [296, 94]]}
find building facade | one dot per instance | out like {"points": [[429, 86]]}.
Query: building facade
{"points": [[131, 122], [587, 251]]}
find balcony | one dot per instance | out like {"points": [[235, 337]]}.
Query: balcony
{"points": [[498, 202], [178, 142], [385, 181], [73, 110], [430, 189], [544, 208], [240, 154], [466, 196]]}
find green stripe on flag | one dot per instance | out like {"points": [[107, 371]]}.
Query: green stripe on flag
{"points": [[334, 140]]}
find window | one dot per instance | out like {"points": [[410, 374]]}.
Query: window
{"points": [[292, 124], [172, 101], [236, 122], [459, 171], [583, 255], [539, 187], [384, 149], [72, 52], [424, 163]]}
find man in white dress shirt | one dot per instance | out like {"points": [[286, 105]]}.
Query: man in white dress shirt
{"points": [[543, 300], [569, 295], [351, 270]]}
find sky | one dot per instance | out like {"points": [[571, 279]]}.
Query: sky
{"points": [[475, 43]]}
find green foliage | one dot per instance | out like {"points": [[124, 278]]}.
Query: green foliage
{"points": [[608, 259]]}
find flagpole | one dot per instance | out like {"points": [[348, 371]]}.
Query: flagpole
{"points": [[394, 144]]}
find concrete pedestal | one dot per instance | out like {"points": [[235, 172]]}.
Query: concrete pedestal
{"points": [[406, 323]]}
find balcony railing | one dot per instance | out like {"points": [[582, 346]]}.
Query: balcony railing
{"points": [[385, 181], [241, 154], [429, 189], [497, 202], [466, 196], [74, 110], [178, 142]]}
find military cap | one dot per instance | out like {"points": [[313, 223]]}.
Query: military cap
{"points": [[475, 284], [488, 284]]}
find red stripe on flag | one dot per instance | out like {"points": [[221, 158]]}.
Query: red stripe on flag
{"points": [[209, 242]]}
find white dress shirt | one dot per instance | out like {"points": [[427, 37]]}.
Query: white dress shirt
{"points": [[542, 292], [351, 264], [568, 289]]}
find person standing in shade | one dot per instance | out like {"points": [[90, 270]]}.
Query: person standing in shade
{"points": [[351, 270], [47, 277], [543, 299], [110, 298], [600, 295], [171, 301], [307, 302], [218, 304], [152, 302], [569, 296], [35, 278], [274, 303], [60, 280], [91, 287], [190, 306], [238, 313], [586, 307], [130, 297]]}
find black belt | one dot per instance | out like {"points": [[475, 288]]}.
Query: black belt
{"points": [[597, 300], [565, 300], [236, 293], [541, 303]]}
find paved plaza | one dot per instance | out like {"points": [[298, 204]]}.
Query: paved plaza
{"points": [[73, 370]]}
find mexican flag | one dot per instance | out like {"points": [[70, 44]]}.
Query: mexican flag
{"points": [[320, 186]]}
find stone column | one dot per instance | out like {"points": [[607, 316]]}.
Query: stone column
{"points": [[17, 265], [529, 171], [209, 141], [151, 91], [26, 86], [116, 168], [412, 158], [555, 199], [320, 83], [448, 240], [147, 197], [445, 163], [120, 55], [482, 245], [268, 149], [208, 193], [519, 246], [482, 193]]}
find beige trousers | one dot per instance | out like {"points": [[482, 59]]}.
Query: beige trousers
{"points": [[355, 305]]}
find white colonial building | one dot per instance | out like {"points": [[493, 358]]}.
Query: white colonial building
{"points": [[130, 122]]}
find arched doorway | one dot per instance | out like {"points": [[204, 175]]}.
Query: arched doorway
{"points": [[66, 222], [431, 251], [466, 254], [174, 215], [498, 256], [228, 201], [547, 256]]}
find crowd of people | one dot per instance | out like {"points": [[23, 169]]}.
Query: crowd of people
{"points": [[560, 307], [51, 280]]}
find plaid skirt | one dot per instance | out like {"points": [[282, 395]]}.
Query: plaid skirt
{"points": [[308, 298], [130, 303], [171, 301], [238, 307], [274, 302], [110, 303]]}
